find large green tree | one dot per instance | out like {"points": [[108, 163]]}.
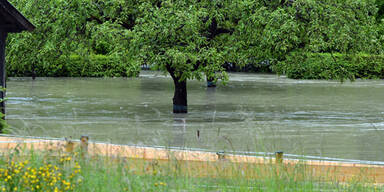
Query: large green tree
{"points": [[187, 39]]}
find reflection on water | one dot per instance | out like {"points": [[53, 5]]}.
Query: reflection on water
{"points": [[252, 113], [179, 130]]}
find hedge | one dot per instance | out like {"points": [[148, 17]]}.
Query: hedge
{"points": [[331, 66], [78, 66]]}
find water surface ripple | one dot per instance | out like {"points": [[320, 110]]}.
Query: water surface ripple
{"points": [[253, 113]]}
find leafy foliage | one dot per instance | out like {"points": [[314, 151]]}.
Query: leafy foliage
{"points": [[189, 39], [79, 66], [65, 28], [184, 37], [270, 32], [380, 6], [299, 65]]}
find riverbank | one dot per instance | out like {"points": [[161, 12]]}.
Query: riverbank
{"points": [[151, 164]]}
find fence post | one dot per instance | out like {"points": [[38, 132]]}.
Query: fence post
{"points": [[279, 157], [84, 145]]}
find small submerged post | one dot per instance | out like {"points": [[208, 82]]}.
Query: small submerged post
{"points": [[279, 157], [220, 155], [211, 82]]}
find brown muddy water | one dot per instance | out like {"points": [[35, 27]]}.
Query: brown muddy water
{"points": [[253, 113]]}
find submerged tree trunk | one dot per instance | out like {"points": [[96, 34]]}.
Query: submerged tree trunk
{"points": [[180, 96]]}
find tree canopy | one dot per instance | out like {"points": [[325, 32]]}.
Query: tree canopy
{"points": [[182, 37], [65, 28], [197, 35]]}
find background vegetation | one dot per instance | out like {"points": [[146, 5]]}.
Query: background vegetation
{"points": [[113, 38]]}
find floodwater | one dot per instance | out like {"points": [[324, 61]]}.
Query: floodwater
{"points": [[252, 113]]}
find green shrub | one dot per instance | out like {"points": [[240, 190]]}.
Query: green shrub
{"points": [[79, 66], [331, 66]]}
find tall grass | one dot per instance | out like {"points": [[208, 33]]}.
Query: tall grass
{"points": [[29, 170]]}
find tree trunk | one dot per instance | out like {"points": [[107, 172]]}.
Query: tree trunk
{"points": [[3, 36], [180, 96]]}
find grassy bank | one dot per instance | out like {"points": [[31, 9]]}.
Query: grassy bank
{"points": [[22, 170]]}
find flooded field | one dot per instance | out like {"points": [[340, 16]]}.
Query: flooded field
{"points": [[252, 113]]}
